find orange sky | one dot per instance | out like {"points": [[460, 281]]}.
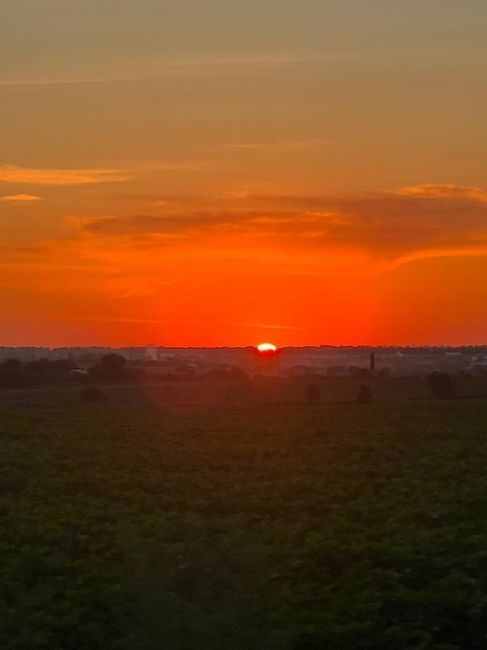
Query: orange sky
{"points": [[182, 175]]}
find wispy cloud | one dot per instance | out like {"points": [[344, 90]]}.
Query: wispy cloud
{"points": [[446, 191], [387, 227], [27, 83], [157, 321], [42, 176], [277, 144], [167, 69], [20, 198], [14, 174]]}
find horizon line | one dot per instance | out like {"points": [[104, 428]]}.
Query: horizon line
{"points": [[246, 347]]}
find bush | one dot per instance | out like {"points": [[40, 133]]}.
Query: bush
{"points": [[441, 385], [12, 375], [93, 394], [111, 367]]}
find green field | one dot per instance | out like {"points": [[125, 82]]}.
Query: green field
{"points": [[136, 524]]}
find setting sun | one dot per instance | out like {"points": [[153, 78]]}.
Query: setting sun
{"points": [[266, 348]]}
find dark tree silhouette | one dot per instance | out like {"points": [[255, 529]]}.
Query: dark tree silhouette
{"points": [[12, 375], [11, 364], [44, 371], [113, 362], [111, 367], [15, 374], [441, 385]]}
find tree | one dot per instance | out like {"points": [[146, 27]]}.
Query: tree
{"points": [[12, 374], [11, 364], [111, 367], [113, 362], [441, 385], [44, 371]]}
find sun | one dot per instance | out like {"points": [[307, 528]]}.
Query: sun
{"points": [[266, 348]]}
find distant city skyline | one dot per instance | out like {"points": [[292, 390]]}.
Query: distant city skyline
{"points": [[222, 174]]}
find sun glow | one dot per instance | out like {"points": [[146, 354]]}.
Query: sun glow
{"points": [[266, 348]]}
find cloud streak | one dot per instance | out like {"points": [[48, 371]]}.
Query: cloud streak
{"points": [[447, 191], [20, 198], [395, 227], [168, 69], [45, 176]]}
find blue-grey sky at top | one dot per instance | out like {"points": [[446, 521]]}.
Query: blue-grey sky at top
{"points": [[315, 95], [93, 35]]}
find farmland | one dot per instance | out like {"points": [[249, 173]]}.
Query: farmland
{"points": [[156, 520]]}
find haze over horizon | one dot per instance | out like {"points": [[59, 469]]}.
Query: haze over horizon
{"points": [[207, 174]]}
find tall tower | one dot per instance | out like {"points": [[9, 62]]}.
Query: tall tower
{"points": [[372, 362]]}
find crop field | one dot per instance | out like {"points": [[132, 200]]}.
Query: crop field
{"points": [[137, 524]]}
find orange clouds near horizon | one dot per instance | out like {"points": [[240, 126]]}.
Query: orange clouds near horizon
{"points": [[297, 270], [19, 198], [29, 176]]}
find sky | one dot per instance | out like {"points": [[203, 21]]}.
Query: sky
{"points": [[223, 173]]}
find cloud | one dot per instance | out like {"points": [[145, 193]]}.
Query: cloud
{"points": [[386, 227], [168, 69], [277, 144], [189, 223], [35, 249], [143, 224], [45, 176], [20, 198], [447, 191]]}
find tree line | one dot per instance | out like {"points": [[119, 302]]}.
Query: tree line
{"points": [[113, 368]]}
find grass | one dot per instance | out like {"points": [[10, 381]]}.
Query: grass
{"points": [[135, 525]]}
